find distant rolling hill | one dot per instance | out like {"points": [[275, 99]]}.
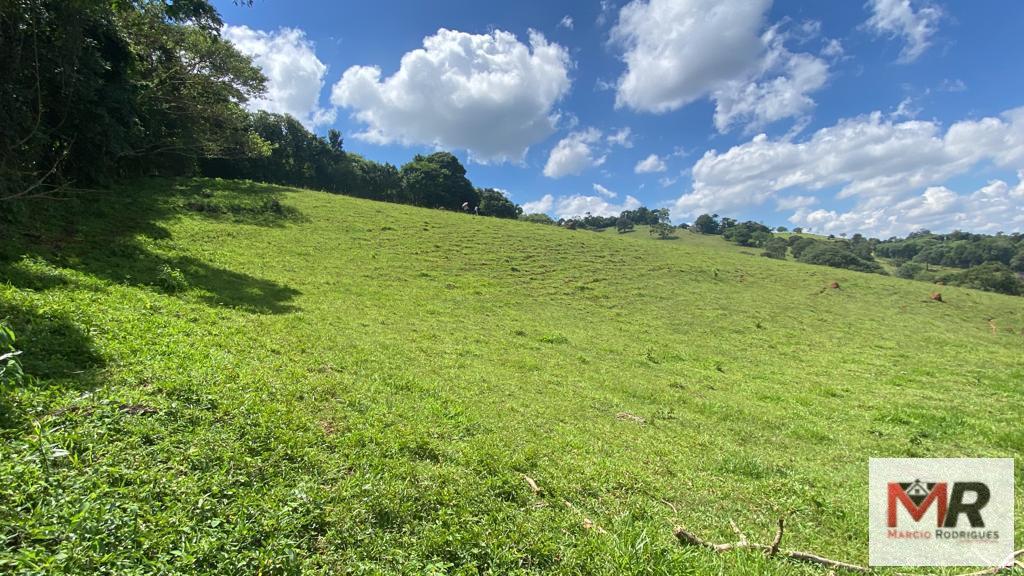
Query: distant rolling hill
{"points": [[239, 378]]}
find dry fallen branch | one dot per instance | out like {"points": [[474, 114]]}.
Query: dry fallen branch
{"points": [[532, 483], [690, 539]]}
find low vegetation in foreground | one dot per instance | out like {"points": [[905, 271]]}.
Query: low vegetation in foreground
{"points": [[225, 377]]}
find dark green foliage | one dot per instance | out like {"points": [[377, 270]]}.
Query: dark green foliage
{"points": [[909, 270], [836, 255], [707, 224], [644, 216], [747, 234], [494, 203], [798, 244], [95, 90], [957, 249], [623, 225], [538, 219], [990, 277], [1017, 262], [437, 181], [775, 248], [663, 230]]}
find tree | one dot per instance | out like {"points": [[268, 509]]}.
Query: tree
{"points": [[335, 140], [494, 203], [624, 225], [990, 277], [706, 224], [437, 181], [909, 270], [1017, 262], [798, 230], [662, 230], [781, 229], [748, 233], [836, 256], [95, 90], [775, 248]]}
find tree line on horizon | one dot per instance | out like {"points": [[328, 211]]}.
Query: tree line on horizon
{"points": [[994, 263], [94, 91]]}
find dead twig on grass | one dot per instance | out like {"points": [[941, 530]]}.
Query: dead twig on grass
{"points": [[774, 549]]}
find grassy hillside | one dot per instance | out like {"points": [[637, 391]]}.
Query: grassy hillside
{"points": [[238, 378]]}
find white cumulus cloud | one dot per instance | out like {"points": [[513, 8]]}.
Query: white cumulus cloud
{"points": [[489, 94], [579, 205], [679, 51], [604, 191], [295, 76], [574, 154], [872, 158], [539, 206], [995, 207], [786, 80], [650, 165], [897, 18]]}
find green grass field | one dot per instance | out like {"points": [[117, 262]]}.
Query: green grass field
{"points": [[238, 378]]}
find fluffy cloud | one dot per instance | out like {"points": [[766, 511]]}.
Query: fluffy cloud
{"points": [[488, 94], [865, 156], [295, 76], [678, 51], [539, 206], [897, 18], [787, 79], [994, 207], [650, 165], [574, 154], [566, 22], [579, 205], [871, 158]]}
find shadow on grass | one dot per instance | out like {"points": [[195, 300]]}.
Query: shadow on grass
{"points": [[57, 355], [106, 234]]}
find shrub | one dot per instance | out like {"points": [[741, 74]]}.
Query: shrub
{"points": [[171, 279], [990, 277], [538, 219], [775, 248], [834, 255], [800, 244], [909, 270], [706, 224], [662, 230]]}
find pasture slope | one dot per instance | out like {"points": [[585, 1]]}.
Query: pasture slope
{"points": [[239, 378]]}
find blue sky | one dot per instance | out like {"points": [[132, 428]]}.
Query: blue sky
{"points": [[880, 117]]}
